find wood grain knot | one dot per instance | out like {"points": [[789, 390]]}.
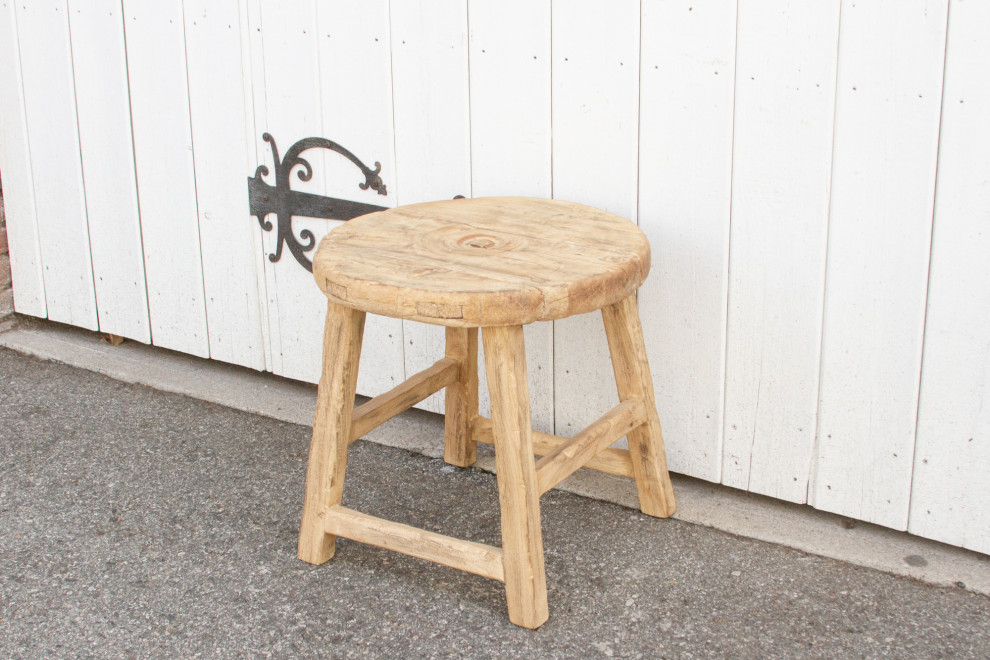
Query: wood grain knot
{"points": [[460, 239], [481, 242]]}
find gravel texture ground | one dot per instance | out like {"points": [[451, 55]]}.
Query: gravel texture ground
{"points": [[135, 523]]}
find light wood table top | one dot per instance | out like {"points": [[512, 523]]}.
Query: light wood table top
{"points": [[490, 261]]}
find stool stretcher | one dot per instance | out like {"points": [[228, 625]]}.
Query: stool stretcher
{"points": [[611, 460], [372, 414], [477, 558], [574, 454]]}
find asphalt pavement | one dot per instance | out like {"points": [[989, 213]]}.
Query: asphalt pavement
{"points": [[139, 523]]}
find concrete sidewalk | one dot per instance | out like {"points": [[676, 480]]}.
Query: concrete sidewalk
{"points": [[140, 523]]}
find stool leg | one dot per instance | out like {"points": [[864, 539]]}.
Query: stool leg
{"points": [[515, 469], [461, 406], [633, 379], [331, 429]]}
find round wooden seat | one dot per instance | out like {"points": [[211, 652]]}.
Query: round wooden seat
{"points": [[483, 262]]}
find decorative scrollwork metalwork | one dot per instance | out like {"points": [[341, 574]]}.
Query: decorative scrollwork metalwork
{"points": [[286, 203]]}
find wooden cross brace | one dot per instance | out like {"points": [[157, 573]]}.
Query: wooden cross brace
{"points": [[521, 478]]}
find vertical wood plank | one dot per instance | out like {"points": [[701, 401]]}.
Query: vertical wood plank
{"points": [[510, 97], [100, 71], [156, 63], [15, 166], [253, 77], [219, 119], [288, 107], [331, 429], [952, 453], [510, 141], [56, 168], [432, 132], [515, 469], [595, 133], [785, 82], [889, 90], [356, 88], [312, 88], [685, 172]]}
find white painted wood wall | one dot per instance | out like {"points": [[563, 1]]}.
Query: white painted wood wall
{"points": [[814, 178]]}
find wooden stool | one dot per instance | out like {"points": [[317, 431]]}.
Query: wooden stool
{"points": [[495, 264]]}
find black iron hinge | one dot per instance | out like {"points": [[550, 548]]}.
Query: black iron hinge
{"points": [[286, 203]]}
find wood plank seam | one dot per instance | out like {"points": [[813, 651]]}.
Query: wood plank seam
{"points": [[372, 414], [611, 460], [572, 455], [478, 558]]}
